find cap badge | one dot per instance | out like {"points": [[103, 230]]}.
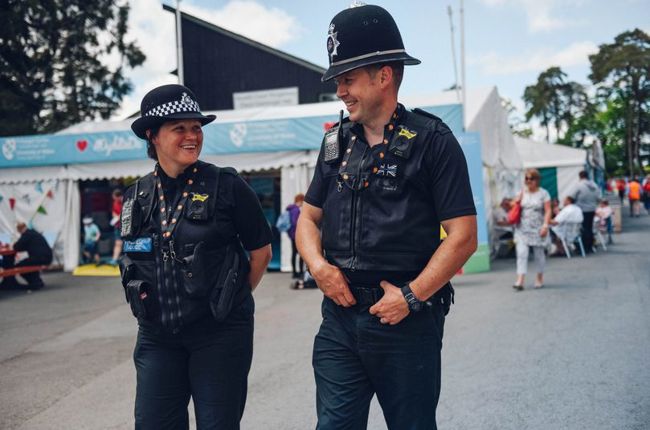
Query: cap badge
{"points": [[185, 98], [332, 42]]}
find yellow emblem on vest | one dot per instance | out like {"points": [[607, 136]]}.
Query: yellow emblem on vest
{"points": [[199, 197], [406, 133]]}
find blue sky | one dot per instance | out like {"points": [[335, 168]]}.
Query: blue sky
{"points": [[508, 42]]}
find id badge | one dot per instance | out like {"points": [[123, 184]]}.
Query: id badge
{"points": [[141, 244]]}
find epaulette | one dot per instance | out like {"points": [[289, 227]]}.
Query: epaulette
{"points": [[427, 119], [229, 170], [425, 113]]}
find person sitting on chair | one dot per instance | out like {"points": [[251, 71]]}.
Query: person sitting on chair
{"points": [[38, 252], [570, 214]]}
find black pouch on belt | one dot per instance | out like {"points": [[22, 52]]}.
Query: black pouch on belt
{"points": [[446, 297], [198, 281], [137, 295], [232, 277]]}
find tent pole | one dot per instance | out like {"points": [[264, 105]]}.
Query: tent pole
{"points": [[179, 44], [462, 58]]}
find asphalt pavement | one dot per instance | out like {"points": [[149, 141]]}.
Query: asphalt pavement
{"points": [[573, 355]]}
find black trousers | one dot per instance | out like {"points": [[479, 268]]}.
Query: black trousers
{"points": [[355, 357], [208, 361], [588, 230]]}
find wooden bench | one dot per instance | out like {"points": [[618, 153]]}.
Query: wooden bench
{"points": [[20, 270]]}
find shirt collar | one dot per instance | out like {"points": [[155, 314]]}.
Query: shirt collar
{"points": [[389, 128]]}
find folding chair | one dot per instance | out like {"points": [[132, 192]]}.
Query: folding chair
{"points": [[571, 235]]}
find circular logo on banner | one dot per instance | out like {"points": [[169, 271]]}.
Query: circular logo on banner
{"points": [[9, 148], [238, 134]]}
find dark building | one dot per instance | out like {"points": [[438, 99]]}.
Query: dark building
{"points": [[218, 63]]}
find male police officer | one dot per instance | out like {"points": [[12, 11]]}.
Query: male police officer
{"points": [[385, 180]]}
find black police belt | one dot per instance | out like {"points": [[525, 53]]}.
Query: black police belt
{"points": [[371, 295]]}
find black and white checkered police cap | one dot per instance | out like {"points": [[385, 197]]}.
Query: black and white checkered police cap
{"points": [[167, 103]]}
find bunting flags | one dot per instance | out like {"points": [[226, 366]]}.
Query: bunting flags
{"points": [[39, 187], [41, 210], [50, 194], [12, 203]]}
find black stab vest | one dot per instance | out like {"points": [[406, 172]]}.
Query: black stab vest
{"points": [[379, 212], [180, 292]]}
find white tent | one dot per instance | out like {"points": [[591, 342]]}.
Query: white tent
{"points": [[484, 114], [566, 161]]}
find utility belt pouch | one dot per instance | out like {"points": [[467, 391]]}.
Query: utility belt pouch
{"points": [[232, 277], [137, 296], [127, 272], [446, 297], [197, 279]]}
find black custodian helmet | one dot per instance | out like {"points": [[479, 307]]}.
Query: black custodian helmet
{"points": [[363, 35], [168, 103]]}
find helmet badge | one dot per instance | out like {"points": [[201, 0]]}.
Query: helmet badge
{"points": [[332, 42]]}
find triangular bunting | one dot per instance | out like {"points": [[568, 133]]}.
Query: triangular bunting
{"points": [[39, 187], [12, 203], [41, 210], [50, 194]]}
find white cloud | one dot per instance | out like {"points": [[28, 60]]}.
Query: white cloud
{"points": [[573, 55], [271, 26], [542, 15], [153, 29]]}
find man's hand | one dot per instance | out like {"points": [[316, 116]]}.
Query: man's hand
{"points": [[392, 308], [333, 284]]}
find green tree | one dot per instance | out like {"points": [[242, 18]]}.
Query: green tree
{"points": [[62, 62], [555, 101], [622, 70], [539, 99]]}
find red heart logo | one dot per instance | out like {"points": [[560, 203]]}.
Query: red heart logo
{"points": [[82, 145]]}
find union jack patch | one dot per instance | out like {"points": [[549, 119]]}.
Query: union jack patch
{"points": [[387, 170]]}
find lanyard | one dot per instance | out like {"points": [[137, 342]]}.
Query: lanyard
{"points": [[168, 224]]}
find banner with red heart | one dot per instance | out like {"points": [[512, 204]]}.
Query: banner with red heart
{"points": [[82, 145]]}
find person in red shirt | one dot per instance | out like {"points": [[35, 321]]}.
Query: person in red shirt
{"points": [[115, 222], [620, 186]]}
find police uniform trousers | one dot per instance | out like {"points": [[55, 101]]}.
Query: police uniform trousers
{"points": [[206, 360], [356, 356]]}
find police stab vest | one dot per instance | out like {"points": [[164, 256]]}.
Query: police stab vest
{"points": [[173, 280], [379, 211]]}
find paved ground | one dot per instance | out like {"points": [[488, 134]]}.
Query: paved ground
{"points": [[574, 355]]}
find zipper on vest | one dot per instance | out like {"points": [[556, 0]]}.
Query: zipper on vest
{"points": [[355, 199]]}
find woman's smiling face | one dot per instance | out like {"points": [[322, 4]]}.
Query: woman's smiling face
{"points": [[178, 145]]}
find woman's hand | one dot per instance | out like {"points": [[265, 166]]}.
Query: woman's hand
{"points": [[543, 231]]}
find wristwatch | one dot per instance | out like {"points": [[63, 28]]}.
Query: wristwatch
{"points": [[414, 304]]}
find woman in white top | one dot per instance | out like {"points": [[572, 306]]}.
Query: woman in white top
{"points": [[532, 230]]}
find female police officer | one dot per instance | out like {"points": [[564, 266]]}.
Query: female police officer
{"points": [[185, 272]]}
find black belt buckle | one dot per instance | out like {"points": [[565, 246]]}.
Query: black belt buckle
{"points": [[367, 295]]}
